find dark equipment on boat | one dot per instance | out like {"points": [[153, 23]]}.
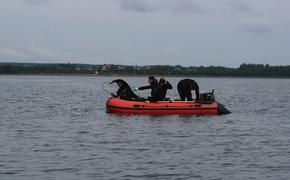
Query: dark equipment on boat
{"points": [[207, 97]]}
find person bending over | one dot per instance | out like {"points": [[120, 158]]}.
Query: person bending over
{"points": [[124, 92], [185, 87]]}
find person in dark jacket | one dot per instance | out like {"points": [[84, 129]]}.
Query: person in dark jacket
{"points": [[163, 87], [154, 86], [185, 87], [124, 92]]}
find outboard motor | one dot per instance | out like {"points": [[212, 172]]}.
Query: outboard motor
{"points": [[222, 109], [207, 97]]}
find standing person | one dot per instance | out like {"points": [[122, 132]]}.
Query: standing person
{"points": [[163, 87], [124, 92], [185, 87], [154, 86]]}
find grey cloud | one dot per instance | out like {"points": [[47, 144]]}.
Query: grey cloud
{"points": [[38, 52], [148, 31], [257, 25], [257, 28], [138, 6], [240, 6], [176, 6], [9, 53], [187, 6], [36, 2], [31, 53]]}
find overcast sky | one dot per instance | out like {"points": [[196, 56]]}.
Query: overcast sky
{"points": [[142, 32]]}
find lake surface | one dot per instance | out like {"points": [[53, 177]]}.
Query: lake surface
{"points": [[56, 127]]}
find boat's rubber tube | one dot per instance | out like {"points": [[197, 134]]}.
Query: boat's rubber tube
{"points": [[115, 105]]}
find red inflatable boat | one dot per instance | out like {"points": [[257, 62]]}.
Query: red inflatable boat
{"points": [[115, 105]]}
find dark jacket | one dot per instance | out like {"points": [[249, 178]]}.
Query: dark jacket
{"points": [[125, 91], [155, 90], [163, 89], [185, 87]]}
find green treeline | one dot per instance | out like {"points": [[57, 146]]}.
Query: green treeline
{"points": [[35, 68], [258, 70]]}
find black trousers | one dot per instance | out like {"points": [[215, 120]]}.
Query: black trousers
{"points": [[186, 94]]}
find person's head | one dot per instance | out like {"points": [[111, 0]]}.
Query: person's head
{"points": [[151, 79], [162, 81]]}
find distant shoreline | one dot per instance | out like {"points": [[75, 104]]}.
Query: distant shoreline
{"points": [[172, 76], [50, 69]]}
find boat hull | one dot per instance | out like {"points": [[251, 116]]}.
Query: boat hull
{"points": [[115, 105]]}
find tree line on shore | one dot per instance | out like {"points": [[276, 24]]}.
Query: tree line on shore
{"points": [[259, 70]]}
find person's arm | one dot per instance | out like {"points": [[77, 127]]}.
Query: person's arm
{"points": [[168, 85], [145, 87]]}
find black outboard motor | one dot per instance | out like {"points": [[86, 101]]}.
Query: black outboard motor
{"points": [[207, 97], [222, 109]]}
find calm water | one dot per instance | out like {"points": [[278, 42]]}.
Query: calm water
{"points": [[56, 127]]}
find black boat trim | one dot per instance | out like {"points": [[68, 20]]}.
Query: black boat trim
{"points": [[165, 108]]}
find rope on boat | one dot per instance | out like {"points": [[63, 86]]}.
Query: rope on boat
{"points": [[107, 87]]}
